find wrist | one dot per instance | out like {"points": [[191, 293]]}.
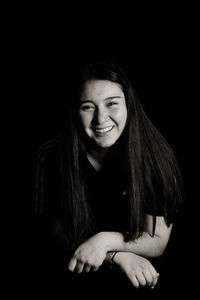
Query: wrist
{"points": [[115, 257], [113, 241], [106, 240], [109, 261]]}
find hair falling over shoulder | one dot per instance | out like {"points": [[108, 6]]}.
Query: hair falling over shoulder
{"points": [[151, 167]]}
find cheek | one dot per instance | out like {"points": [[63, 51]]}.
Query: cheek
{"points": [[121, 117], [85, 120]]}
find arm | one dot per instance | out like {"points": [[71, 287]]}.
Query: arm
{"points": [[146, 245], [137, 268], [92, 253]]}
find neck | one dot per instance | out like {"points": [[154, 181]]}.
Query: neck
{"points": [[99, 157]]}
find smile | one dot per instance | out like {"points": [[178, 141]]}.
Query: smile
{"points": [[103, 130]]}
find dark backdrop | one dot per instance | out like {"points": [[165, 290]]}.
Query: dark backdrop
{"points": [[161, 60]]}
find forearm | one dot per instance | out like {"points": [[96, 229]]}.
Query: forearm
{"points": [[145, 245]]}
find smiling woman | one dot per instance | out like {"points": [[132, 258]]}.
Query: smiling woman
{"points": [[108, 192]]}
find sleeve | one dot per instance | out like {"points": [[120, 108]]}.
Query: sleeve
{"points": [[154, 204], [158, 205], [47, 231], [47, 187]]}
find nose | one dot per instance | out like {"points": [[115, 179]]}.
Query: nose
{"points": [[100, 116]]}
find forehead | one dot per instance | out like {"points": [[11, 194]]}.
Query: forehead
{"points": [[100, 89]]}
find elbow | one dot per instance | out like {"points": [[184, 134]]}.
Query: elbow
{"points": [[159, 251], [159, 247]]}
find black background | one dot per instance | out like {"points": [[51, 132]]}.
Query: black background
{"points": [[159, 51]]}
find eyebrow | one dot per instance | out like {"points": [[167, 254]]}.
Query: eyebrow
{"points": [[106, 99], [112, 97]]}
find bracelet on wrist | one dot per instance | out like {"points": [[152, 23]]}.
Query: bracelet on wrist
{"points": [[112, 258]]}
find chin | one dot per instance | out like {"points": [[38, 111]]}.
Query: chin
{"points": [[105, 144]]}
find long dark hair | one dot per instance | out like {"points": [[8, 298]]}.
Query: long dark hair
{"points": [[150, 164]]}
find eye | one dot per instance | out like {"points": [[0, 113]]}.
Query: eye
{"points": [[112, 103], [87, 107]]}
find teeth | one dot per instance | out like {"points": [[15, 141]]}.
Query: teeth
{"points": [[104, 129]]}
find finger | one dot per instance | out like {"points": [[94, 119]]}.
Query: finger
{"points": [[155, 276], [72, 264], [79, 267], [155, 280], [141, 279], [87, 268], [134, 281], [94, 269], [148, 276]]}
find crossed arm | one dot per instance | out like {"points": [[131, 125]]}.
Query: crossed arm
{"points": [[131, 255]]}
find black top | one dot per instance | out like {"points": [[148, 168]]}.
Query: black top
{"points": [[108, 202], [107, 195]]}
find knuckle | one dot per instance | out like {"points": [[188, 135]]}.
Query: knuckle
{"points": [[131, 273], [95, 265], [76, 256], [150, 281], [82, 261], [144, 266], [138, 270]]}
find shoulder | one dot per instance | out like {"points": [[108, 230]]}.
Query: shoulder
{"points": [[49, 157], [50, 153], [51, 148], [47, 176]]}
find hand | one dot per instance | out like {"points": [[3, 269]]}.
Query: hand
{"points": [[89, 255], [137, 268]]}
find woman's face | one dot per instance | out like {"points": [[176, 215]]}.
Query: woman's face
{"points": [[103, 111]]}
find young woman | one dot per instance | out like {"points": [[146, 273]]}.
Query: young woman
{"points": [[110, 189]]}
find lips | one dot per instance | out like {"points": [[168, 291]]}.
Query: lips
{"points": [[104, 130]]}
